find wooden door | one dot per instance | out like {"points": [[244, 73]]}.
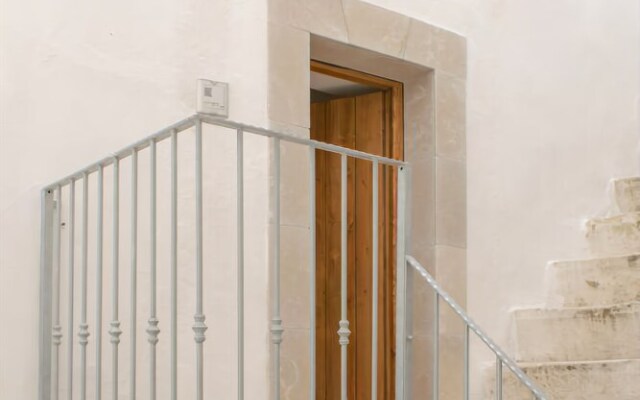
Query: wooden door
{"points": [[363, 123]]}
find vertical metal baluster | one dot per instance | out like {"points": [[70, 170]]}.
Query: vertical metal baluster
{"points": [[115, 331], [199, 327], [401, 287], [240, 260], [152, 328], [71, 243], [276, 321], [99, 233], [57, 329], [343, 331], [374, 292], [312, 272], [498, 378], [134, 271], [466, 362], [436, 346], [47, 233], [83, 332], [174, 265]]}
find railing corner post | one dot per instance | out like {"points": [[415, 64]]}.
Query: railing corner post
{"points": [[401, 282], [46, 294]]}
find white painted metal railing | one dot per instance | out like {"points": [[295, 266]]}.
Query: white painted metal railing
{"points": [[502, 359], [52, 332]]}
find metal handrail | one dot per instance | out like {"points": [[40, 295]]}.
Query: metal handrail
{"points": [[51, 331], [191, 121], [501, 357]]}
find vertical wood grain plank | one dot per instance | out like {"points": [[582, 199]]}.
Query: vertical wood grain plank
{"points": [[318, 132], [340, 130], [369, 138]]}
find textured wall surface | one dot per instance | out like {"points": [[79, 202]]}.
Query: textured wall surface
{"points": [[81, 80], [552, 111]]}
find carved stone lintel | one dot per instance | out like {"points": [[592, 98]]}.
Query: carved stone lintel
{"points": [[199, 328], [83, 334], [344, 332], [153, 331], [276, 330], [115, 332]]}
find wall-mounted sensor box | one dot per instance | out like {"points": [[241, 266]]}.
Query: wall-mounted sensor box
{"points": [[213, 98]]}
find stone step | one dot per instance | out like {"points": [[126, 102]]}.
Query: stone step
{"points": [[593, 380], [627, 194], [613, 236], [594, 282], [578, 334]]}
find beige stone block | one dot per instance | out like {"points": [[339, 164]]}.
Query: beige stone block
{"points": [[294, 375], [425, 256], [578, 334], [320, 17], [289, 129], [594, 282], [294, 184], [422, 200], [595, 380], [451, 339], [375, 28], [451, 364], [451, 202], [420, 303], [451, 367], [294, 277], [612, 236], [288, 100], [450, 116], [627, 194], [420, 362], [436, 48], [420, 382], [419, 113], [451, 331], [365, 60], [451, 266]]}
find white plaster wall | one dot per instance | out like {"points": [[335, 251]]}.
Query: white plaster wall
{"points": [[552, 115], [552, 100], [80, 80]]}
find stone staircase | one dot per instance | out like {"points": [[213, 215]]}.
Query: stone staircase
{"points": [[585, 342]]}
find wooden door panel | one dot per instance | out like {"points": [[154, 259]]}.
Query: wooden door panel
{"points": [[340, 130], [361, 123], [369, 134]]}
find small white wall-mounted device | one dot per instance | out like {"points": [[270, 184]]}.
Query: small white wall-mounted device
{"points": [[213, 98]]}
